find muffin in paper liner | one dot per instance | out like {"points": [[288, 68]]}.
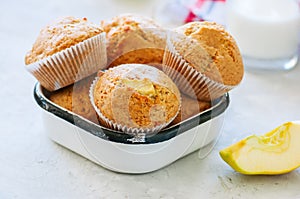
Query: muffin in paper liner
{"points": [[133, 38], [71, 64], [187, 75], [121, 98]]}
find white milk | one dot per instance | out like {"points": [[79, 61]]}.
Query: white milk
{"points": [[264, 29]]}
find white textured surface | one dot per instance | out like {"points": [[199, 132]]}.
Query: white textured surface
{"points": [[32, 166]]}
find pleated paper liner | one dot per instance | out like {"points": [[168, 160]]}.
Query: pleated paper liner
{"points": [[137, 132], [72, 64], [189, 80]]}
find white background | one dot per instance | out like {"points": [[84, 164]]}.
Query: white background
{"points": [[32, 166]]}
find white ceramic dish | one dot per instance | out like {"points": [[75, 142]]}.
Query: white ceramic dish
{"points": [[123, 153]]}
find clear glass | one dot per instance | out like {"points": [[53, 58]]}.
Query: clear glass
{"points": [[267, 32], [281, 64]]}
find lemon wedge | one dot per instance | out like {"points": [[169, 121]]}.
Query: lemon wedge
{"points": [[276, 152]]}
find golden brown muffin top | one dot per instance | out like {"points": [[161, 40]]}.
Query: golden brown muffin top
{"points": [[129, 32], [127, 22], [59, 35], [136, 95], [189, 108], [75, 98], [221, 48]]}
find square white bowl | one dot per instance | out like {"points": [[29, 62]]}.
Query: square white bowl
{"points": [[126, 154]]}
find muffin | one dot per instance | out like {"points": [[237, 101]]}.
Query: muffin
{"points": [[189, 108], [206, 57], [134, 39], [75, 98], [135, 98], [66, 51]]}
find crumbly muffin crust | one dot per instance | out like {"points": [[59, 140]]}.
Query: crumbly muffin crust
{"points": [[223, 61], [190, 107], [134, 39], [136, 95], [61, 34], [75, 98]]}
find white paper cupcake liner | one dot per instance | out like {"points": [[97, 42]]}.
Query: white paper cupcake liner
{"points": [[138, 133], [189, 80], [72, 64]]}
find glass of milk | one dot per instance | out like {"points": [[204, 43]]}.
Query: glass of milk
{"points": [[267, 32]]}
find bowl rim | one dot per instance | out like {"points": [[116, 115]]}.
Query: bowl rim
{"points": [[218, 107]]}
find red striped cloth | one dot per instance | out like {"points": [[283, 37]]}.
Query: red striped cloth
{"points": [[209, 10]]}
